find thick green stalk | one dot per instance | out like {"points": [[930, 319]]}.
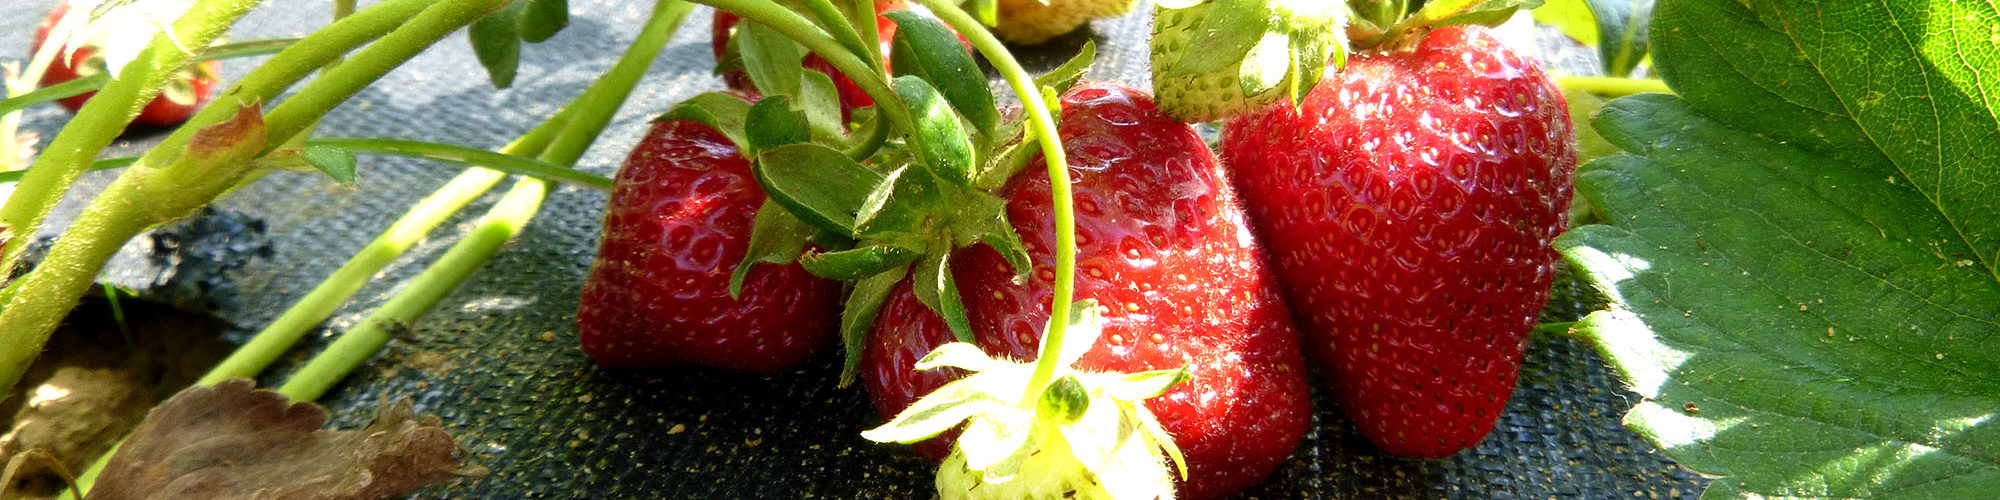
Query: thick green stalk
{"points": [[1611, 86], [370, 63], [500, 224], [272, 342], [45, 295], [360, 343], [65, 158], [104, 116], [1044, 128]]}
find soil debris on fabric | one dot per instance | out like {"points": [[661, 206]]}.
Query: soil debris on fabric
{"points": [[90, 386]]}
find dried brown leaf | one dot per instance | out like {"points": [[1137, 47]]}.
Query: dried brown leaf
{"points": [[232, 441]]}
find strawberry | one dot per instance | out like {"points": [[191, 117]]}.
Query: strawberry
{"points": [[183, 94], [1030, 22], [1214, 60], [1164, 247], [1409, 204], [851, 95], [678, 223]]}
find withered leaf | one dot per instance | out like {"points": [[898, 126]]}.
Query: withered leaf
{"points": [[232, 441]]}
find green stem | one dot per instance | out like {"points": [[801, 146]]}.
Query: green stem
{"points": [[46, 294], [369, 64], [1559, 329], [797, 28], [320, 303], [420, 220], [79, 142], [251, 48], [558, 138], [168, 189], [1612, 86], [1043, 126], [53, 92], [843, 31], [501, 161], [104, 116], [878, 132], [360, 343], [93, 82], [448, 153], [500, 224]]}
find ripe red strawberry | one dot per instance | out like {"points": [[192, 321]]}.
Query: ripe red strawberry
{"points": [[1164, 247], [677, 224], [851, 95], [1409, 204], [185, 93]]}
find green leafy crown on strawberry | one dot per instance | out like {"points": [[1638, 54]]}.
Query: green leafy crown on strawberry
{"points": [[1250, 53], [1215, 59]]}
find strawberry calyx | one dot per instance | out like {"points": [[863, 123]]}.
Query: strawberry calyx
{"points": [[902, 210], [1083, 435], [1397, 25], [1215, 59]]}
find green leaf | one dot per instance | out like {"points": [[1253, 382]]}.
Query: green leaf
{"points": [[459, 155], [1066, 76], [1221, 39], [53, 92], [776, 237], [1621, 28], [898, 204], [864, 302], [1572, 17], [1481, 12], [935, 413], [857, 263], [987, 11], [773, 61], [817, 183], [959, 355], [1590, 145], [940, 141], [935, 288], [724, 112], [335, 162], [541, 19], [985, 221], [820, 101], [924, 47], [772, 122], [1145, 385], [1802, 266], [496, 41]]}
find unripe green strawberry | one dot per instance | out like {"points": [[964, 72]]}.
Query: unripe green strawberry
{"points": [[1214, 59], [1029, 22]]}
